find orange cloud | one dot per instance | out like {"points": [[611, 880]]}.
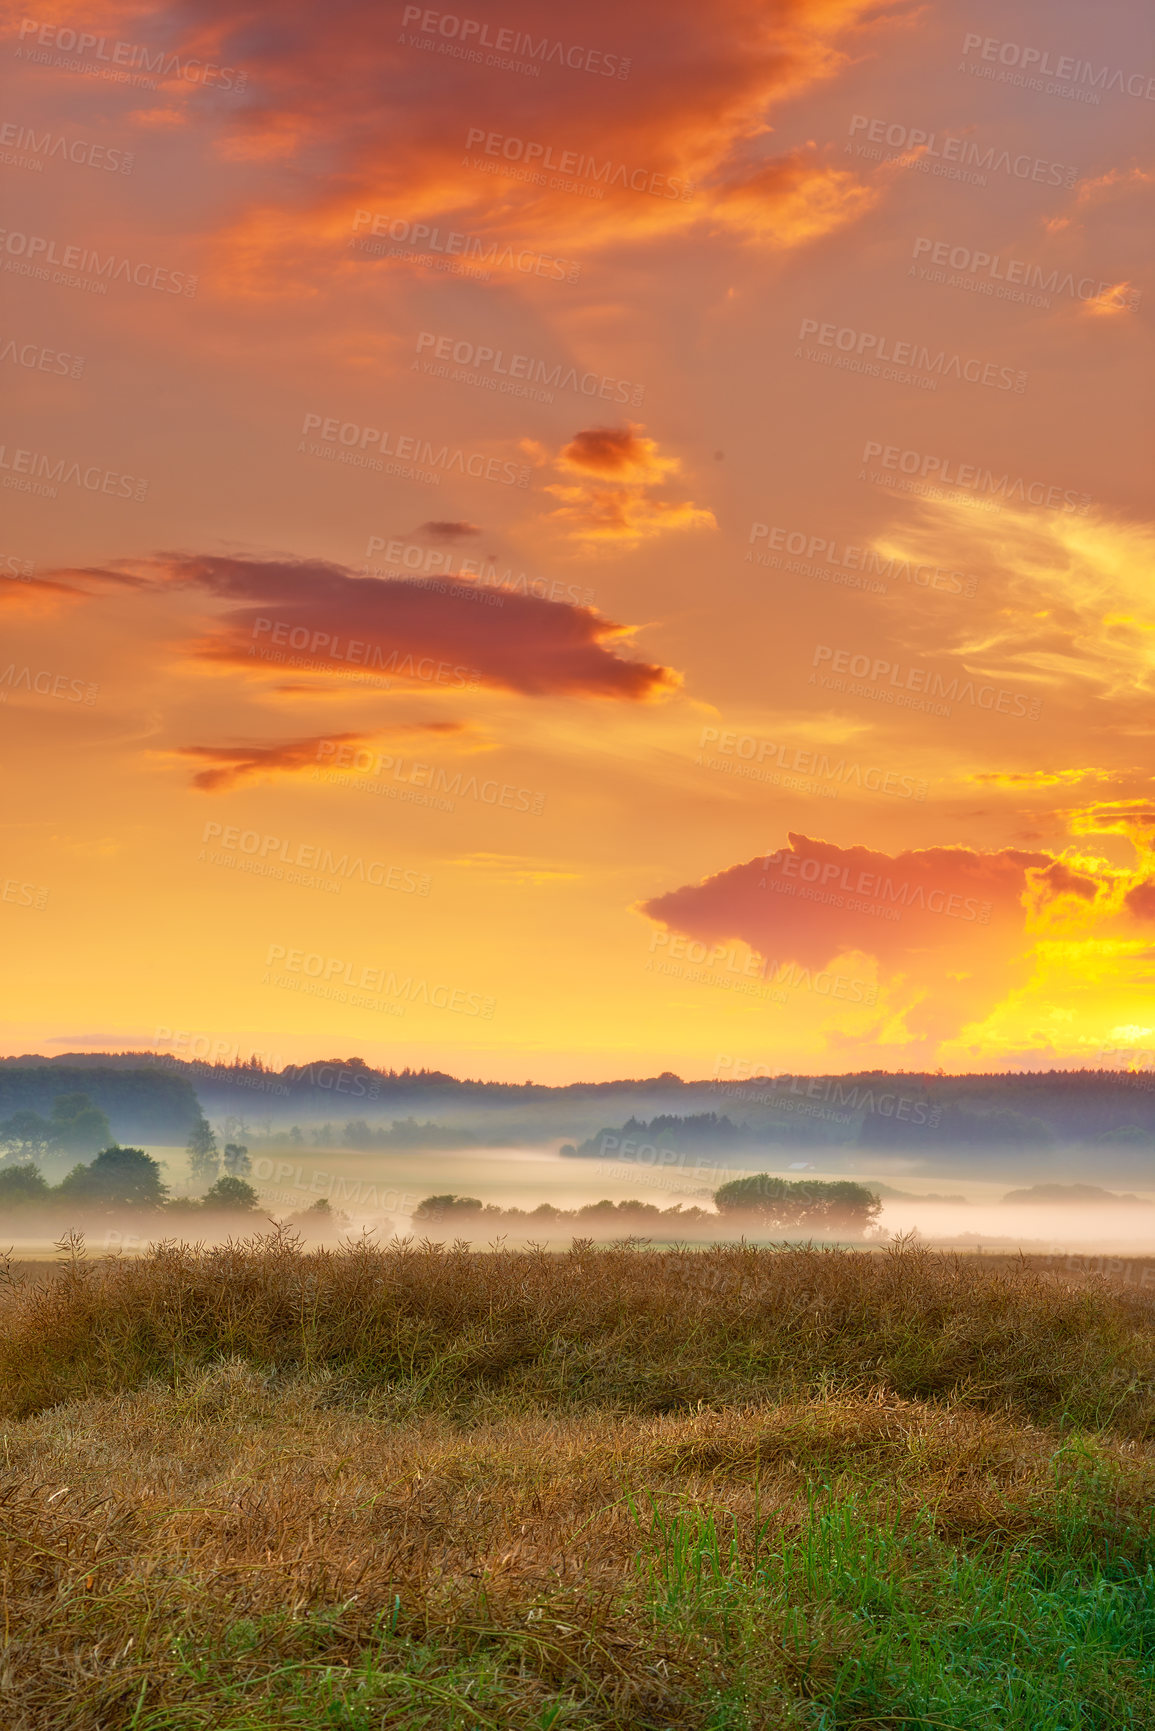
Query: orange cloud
{"points": [[622, 508], [618, 453], [673, 137], [231, 766], [793, 200]]}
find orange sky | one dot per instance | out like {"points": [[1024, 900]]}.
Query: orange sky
{"points": [[565, 545]]}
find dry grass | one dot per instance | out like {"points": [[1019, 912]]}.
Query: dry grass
{"points": [[254, 1488], [637, 1329]]}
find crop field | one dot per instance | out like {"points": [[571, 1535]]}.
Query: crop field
{"points": [[258, 1487]]}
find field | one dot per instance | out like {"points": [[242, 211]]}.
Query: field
{"points": [[255, 1487]]}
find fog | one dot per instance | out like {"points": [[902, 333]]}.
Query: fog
{"points": [[378, 1192]]}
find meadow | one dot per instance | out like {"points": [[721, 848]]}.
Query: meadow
{"points": [[258, 1486]]}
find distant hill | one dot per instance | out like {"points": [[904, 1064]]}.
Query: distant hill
{"points": [[1020, 1126]]}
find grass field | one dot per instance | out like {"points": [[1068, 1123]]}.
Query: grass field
{"points": [[734, 1488]]}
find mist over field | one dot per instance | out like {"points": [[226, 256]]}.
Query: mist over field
{"points": [[1046, 1164]]}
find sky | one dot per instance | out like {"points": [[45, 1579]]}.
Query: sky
{"points": [[574, 543]]}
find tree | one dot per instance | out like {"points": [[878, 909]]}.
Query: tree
{"points": [[447, 1208], [203, 1160], [232, 1195], [236, 1160], [840, 1207], [21, 1184], [76, 1127], [25, 1136], [79, 1127], [118, 1177]]}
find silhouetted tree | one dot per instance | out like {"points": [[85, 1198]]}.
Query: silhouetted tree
{"points": [[235, 1160], [203, 1159], [232, 1194], [117, 1177], [778, 1203], [25, 1136], [78, 1126], [22, 1184]]}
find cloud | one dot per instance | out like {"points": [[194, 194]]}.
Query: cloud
{"points": [[448, 531], [669, 127], [1133, 818], [619, 453], [1140, 901], [620, 504], [230, 766], [624, 514], [946, 926], [327, 627], [793, 200], [43, 594], [1059, 880], [1119, 298], [1028, 778], [1073, 613]]}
